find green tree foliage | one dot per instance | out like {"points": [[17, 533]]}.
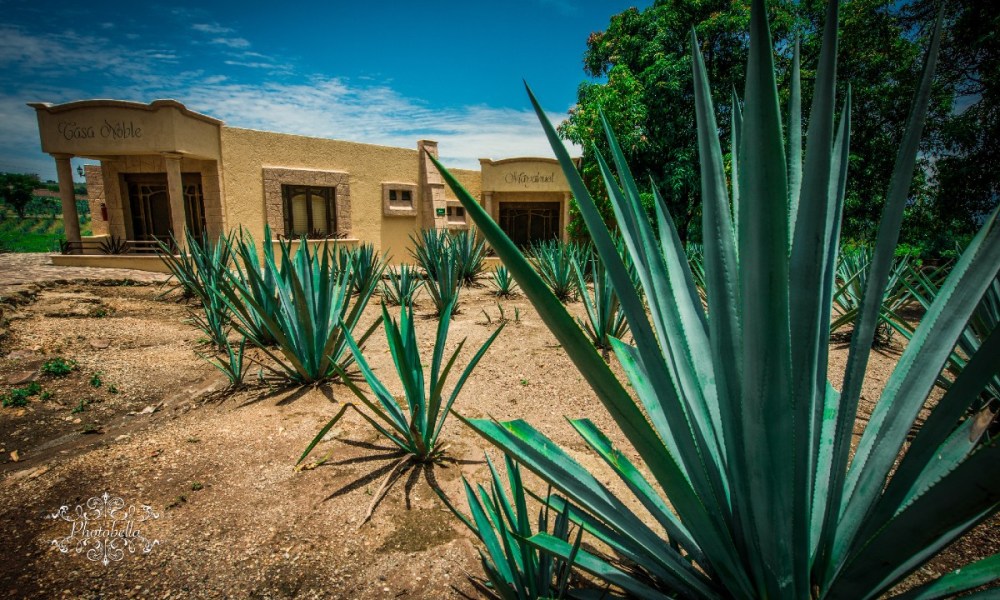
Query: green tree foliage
{"points": [[967, 145], [16, 188], [640, 68], [648, 96]]}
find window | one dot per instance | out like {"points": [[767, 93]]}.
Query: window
{"points": [[399, 199], [456, 213], [310, 210]]}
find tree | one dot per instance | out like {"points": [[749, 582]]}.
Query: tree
{"points": [[16, 189], [966, 151], [648, 94]]}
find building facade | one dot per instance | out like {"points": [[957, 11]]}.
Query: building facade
{"points": [[164, 168]]}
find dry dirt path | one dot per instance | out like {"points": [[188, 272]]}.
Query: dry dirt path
{"points": [[234, 518]]}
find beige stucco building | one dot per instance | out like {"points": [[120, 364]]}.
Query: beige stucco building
{"points": [[164, 168]]}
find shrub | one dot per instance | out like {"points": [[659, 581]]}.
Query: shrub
{"points": [[733, 417], [18, 397], [58, 367]]}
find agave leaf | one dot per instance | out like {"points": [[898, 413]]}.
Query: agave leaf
{"points": [[913, 378], [635, 481], [971, 576], [810, 219], [923, 450], [922, 529], [768, 419], [592, 564], [795, 127], [864, 329]]}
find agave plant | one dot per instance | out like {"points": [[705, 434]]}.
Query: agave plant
{"points": [[315, 314], [503, 523], [416, 427], [852, 278], [262, 289], [429, 249], [403, 286], [203, 272], [444, 283], [733, 417], [469, 249], [504, 283], [605, 318], [556, 263], [365, 265]]}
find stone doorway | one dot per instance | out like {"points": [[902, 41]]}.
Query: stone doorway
{"points": [[529, 222]]}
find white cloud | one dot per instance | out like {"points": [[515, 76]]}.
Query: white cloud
{"points": [[236, 42], [211, 28]]}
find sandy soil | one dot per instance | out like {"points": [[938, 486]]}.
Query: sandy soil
{"points": [[235, 519]]}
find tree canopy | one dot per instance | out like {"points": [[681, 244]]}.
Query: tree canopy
{"points": [[16, 189], [639, 72]]}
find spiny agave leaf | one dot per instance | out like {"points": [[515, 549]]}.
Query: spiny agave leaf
{"points": [[923, 528], [795, 132], [963, 579], [937, 428], [825, 415], [768, 419], [736, 121], [593, 368], [631, 476], [810, 219], [592, 564], [913, 378], [722, 288], [864, 330]]}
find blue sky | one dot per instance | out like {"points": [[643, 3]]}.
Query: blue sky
{"points": [[379, 72]]}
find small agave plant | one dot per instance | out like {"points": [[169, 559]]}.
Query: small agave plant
{"points": [[749, 487]]}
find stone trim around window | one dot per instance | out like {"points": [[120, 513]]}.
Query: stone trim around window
{"points": [[274, 205], [398, 207]]}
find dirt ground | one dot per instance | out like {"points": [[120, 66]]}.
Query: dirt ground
{"points": [[235, 519]]}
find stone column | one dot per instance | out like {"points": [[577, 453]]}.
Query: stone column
{"points": [[71, 219], [432, 188], [175, 189], [488, 205], [564, 216]]}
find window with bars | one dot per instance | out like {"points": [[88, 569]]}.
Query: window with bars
{"points": [[310, 211]]}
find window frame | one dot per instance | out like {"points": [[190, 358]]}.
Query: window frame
{"points": [[329, 195]]}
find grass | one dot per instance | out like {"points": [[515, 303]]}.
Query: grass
{"points": [[34, 233]]}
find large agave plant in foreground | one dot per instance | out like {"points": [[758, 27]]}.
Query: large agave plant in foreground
{"points": [[749, 487]]}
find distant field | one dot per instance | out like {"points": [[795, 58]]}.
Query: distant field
{"points": [[34, 233]]}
